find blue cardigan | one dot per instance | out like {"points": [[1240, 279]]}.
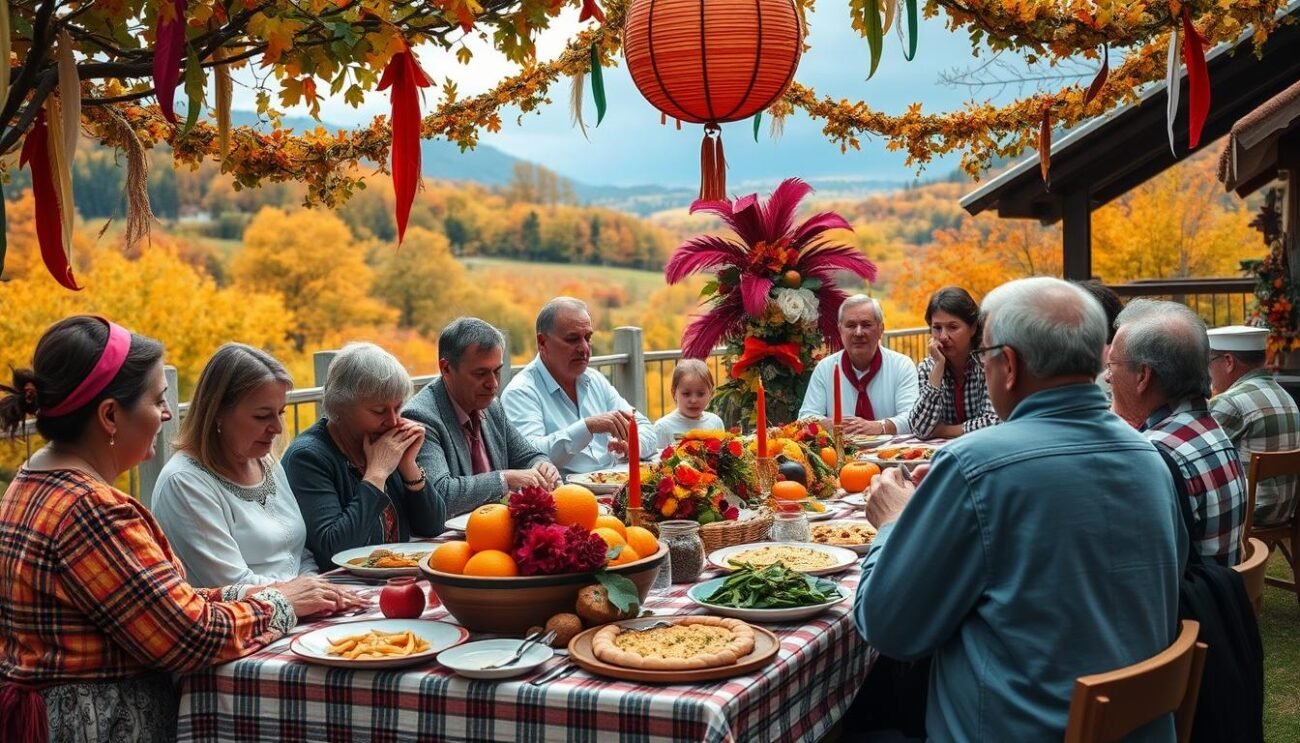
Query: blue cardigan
{"points": [[343, 511]]}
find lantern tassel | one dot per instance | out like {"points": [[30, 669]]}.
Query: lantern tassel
{"points": [[713, 165]]}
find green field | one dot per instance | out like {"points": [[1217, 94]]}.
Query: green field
{"points": [[639, 284]]}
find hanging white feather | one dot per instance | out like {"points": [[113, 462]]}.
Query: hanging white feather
{"points": [[575, 103], [1172, 87]]}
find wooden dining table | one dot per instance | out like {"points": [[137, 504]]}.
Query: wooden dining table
{"points": [[275, 695]]}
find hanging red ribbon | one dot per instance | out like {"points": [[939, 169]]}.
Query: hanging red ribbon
{"points": [[591, 10], [404, 76], [49, 212], [169, 50], [757, 349], [1198, 80]]}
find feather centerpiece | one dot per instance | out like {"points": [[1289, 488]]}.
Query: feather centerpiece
{"points": [[774, 289]]}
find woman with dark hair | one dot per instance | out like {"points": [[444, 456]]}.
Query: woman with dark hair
{"points": [[95, 613], [954, 396], [222, 499]]}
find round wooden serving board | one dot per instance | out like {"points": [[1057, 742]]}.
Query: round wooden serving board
{"points": [[766, 646]]}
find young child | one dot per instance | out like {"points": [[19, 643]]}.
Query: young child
{"points": [[692, 390]]}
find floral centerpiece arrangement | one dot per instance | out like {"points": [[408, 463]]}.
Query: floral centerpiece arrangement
{"points": [[706, 477], [773, 301]]}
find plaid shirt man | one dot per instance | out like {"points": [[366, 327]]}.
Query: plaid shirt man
{"points": [[937, 406], [1258, 415], [1214, 477], [90, 590]]}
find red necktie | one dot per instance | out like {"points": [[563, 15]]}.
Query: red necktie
{"points": [[477, 451], [863, 409]]}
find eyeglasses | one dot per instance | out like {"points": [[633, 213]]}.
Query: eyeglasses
{"points": [[1112, 361], [980, 353], [1216, 357]]}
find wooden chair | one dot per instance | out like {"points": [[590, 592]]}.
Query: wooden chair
{"points": [[1284, 536], [1253, 569], [1109, 706]]}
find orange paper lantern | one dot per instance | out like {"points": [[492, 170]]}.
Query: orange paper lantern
{"points": [[710, 62]]}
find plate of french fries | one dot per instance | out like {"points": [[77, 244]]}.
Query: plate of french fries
{"points": [[378, 643], [384, 560]]}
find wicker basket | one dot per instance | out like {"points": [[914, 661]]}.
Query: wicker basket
{"points": [[721, 534], [718, 534]]}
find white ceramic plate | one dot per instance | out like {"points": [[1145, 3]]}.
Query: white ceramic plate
{"points": [[700, 591], [599, 488], [856, 499], [843, 558], [468, 659], [420, 549], [314, 646], [867, 442], [461, 522], [869, 456], [861, 549]]}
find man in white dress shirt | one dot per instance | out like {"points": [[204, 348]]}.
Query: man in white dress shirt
{"points": [[569, 411], [878, 387]]}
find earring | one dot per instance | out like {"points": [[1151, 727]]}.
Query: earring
{"points": [[112, 439], [218, 428]]}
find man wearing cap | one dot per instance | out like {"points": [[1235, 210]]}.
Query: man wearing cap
{"points": [[1254, 410]]}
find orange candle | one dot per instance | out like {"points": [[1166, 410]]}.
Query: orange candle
{"points": [[762, 420], [633, 465], [838, 417]]}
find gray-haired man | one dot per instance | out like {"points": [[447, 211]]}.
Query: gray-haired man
{"points": [[471, 453]]}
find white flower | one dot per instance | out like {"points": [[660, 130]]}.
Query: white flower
{"points": [[798, 305]]}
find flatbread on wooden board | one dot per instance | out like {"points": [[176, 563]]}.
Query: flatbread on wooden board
{"points": [[692, 643]]}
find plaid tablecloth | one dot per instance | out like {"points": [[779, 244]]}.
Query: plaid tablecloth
{"points": [[272, 695]]}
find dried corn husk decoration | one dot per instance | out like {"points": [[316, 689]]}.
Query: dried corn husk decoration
{"points": [[222, 74], [61, 168], [69, 96], [139, 215]]}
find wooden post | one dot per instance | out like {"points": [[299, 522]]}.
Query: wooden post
{"points": [[320, 362], [629, 378], [162, 446], [1076, 236], [506, 371]]}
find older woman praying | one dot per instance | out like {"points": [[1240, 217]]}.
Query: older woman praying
{"points": [[354, 472]]}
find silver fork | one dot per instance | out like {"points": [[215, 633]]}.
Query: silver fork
{"points": [[528, 642]]}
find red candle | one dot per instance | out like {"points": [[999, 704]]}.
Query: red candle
{"points": [[838, 417], [762, 420], [633, 465]]}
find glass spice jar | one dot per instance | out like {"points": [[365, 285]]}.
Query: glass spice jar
{"points": [[791, 526], [685, 549]]}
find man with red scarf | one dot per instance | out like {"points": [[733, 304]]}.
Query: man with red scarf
{"points": [[878, 386]]}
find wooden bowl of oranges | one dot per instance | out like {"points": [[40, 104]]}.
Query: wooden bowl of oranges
{"points": [[484, 581]]}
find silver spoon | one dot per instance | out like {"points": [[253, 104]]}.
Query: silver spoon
{"points": [[523, 647]]}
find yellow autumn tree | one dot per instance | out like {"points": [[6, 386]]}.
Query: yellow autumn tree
{"points": [[1178, 224], [311, 262], [978, 255], [421, 280]]}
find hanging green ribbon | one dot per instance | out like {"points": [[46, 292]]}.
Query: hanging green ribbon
{"points": [[875, 33], [758, 119], [912, 23], [195, 87], [597, 85]]}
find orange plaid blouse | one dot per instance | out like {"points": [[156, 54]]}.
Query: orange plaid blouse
{"points": [[90, 590]]}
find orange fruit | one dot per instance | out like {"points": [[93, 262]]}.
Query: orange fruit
{"points": [[492, 563], [626, 555], [575, 504], [828, 456], [609, 522], [490, 528], [792, 279], [450, 557], [611, 537], [856, 477], [789, 490], [642, 540]]}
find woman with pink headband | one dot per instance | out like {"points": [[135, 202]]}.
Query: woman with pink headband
{"points": [[95, 612]]}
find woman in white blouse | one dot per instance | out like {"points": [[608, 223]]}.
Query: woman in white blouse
{"points": [[222, 499]]}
